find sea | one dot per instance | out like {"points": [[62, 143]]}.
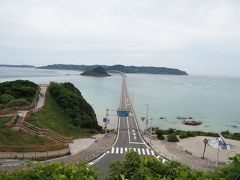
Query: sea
{"points": [[215, 101]]}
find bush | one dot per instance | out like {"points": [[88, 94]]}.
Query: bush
{"points": [[172, 138], [183, 135], [18, 102], [160, 137], [6, 98]]}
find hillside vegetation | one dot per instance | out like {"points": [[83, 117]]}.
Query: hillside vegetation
{"points": [[17, 93], [66, 112], [11, 140]]}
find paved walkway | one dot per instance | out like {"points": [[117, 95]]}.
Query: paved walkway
{"points": [[42, 94]]}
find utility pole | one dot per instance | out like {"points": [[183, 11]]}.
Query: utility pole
{"points": [[151, 131], [147, 117], [218, 154], [205, 144], [106, 120]]}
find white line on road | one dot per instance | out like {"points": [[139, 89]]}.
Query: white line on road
{"points": [[139, 151], [96, 160], [134, 149], [143, 151], [126, 149], [121, 150], [117, 150], [152, 152], [147, 150], [112, 150]]}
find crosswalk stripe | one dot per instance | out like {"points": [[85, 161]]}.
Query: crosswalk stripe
{"points": [[143, 151], [126, 149], [163, 161], [117, 150], [152, 152], [134, 149], [121, 151], [148, 153], [112, 150], [139, 151]]}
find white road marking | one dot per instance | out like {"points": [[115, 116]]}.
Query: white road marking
{"points": [[147, 150], [96, 160], [126, 149], [158, 156], [117, 150], [112, 150], [152, 152], [121, 150], [163, 161], [134, 149], [143, 151], [108, 152], [139, 151]]}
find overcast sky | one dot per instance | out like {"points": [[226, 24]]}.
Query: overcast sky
{"points": [[199, 36]]}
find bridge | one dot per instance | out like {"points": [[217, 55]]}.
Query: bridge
{"points": [[129, 135]]}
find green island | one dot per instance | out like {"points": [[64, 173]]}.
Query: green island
{"points": [[96, 72], [133, 167], [122, 68], [66, 112]]}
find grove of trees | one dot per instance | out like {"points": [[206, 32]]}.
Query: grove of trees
{"points": [[17, 93], [70, 99]]}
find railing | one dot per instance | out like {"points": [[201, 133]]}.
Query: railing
{"points": [[44, 132]]}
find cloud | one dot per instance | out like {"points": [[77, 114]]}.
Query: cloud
{"points": [[133, 29]]}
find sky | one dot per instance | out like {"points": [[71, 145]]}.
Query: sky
{"points": [[198, 36]]}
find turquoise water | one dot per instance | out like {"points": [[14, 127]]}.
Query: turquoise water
{"points": [[213, 100]]}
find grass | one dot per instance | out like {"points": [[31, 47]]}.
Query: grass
{"points": [[52, 117], [11, 140]]}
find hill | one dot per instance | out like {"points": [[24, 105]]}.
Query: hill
{"points": [[96, 72], [122, 68], [67, 112], [17, 93], [19, 66]]}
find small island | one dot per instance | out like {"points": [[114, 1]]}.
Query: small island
{"points": [[96, 72]]}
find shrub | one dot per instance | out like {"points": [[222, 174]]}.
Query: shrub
{"points": [[18, 102], [172, 138], [183, 135], [6, 98]]}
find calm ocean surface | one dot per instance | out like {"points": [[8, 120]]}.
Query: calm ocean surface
{"points": [[213, 100]]}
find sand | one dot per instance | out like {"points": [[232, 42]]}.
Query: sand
{"points": [[189, 152]]}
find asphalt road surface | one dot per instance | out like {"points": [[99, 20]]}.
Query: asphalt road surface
{"points": [[128, 136]]}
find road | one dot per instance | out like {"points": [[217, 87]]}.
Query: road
{"points": [[41, 100], [128, 136]]}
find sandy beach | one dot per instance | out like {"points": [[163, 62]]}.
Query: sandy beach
{"points": [[189, 151]]}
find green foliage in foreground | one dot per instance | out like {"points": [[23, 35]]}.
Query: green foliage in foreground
{"points": [[54, 172], [70, 99], [17, 93], [134, 167], [141, 168]]}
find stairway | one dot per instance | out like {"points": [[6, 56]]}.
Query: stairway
{"points": [[46, 133]]}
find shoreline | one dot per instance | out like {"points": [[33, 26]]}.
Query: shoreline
{"points": [[189, 152]]}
